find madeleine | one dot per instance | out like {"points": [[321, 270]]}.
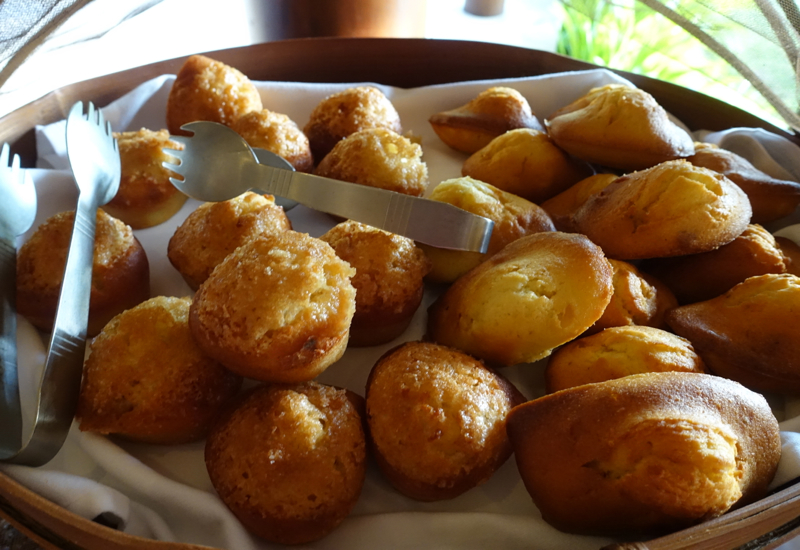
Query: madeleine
{"points": [[513, 217], [749, 333], [672, 209], [491, 113], [527, 163], [539, 292], [619, 127]]}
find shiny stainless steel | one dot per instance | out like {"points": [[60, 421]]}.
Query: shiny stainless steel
{"points": [[94, 159], [216, 164], [17, 212], [276, 161]]}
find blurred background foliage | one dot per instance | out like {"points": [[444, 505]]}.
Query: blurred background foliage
{"points": [[630, 36]]}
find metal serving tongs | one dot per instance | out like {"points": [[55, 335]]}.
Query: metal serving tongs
{"points": [[217, 164], [94, 159]]}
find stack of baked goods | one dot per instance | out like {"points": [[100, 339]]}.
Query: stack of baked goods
{"points": [[654, 422], [626, 279]]}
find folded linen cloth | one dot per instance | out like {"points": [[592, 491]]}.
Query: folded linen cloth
{"points": [[165, 493]]}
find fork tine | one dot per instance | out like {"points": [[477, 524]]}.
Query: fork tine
{"points": [[76, 110], [101, 121], [90, 115], [15, 168], [4, 156], [177, 153]]}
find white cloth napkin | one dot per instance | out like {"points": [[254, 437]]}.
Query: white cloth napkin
{"points": [[165, 493]]}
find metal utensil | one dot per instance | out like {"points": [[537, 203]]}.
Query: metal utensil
{"points": [[94, 159], [17, 212], [276, 161], [217, 164]]}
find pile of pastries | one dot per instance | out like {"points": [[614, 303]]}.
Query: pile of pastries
{"points": [[626, 255]]}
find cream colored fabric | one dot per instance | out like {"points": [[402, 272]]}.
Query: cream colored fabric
{"points": [[165, 493]]}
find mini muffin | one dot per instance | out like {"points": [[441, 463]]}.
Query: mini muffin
{"points": [[436, 420], [377, 158], [146, 197], [215, 229], [704, 276], [619, 127], [146, 380], [619, 351], [563, 206], [491, 113], [347, 112], [277, 133], [120, 271], [527, 163], [749, 334], [538, 293], [513, 217], [206, 89], [638, 299], [644, 453], [388, 280], [289, 460], [277, 309], [771, 198], [672, 209]]}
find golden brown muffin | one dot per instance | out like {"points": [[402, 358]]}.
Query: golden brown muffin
{"points": [[563, 206], [538, 293], [749, 334], [513, 217], [491, 113], [146, 380], [704, 276], [620, 127], [672, 209], [277, 133], [771, 198], [527, 163], [377, 158], [206, 89], [347, 112], [277, 309], [146, 197], [645, 453], [791, 254], [289, 460], [619, 351], [436, 420], [215, 229], [388, 281], [120, 271], [638, 299]]}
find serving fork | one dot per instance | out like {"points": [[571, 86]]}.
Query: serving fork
{"points": [[94, 158], [17, 212], [217, 164]]}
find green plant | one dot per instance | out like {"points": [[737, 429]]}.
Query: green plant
{"points": [[627, 35]]}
